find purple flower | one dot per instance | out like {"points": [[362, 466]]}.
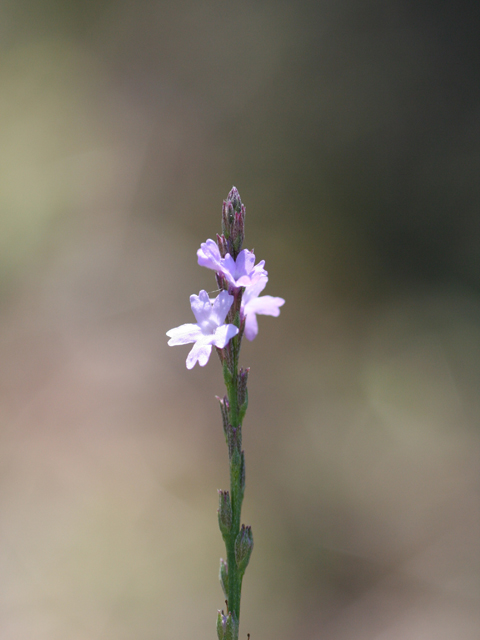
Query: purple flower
{"points": [[241, 272], [253, 304], [209, 330], [209, 255]]}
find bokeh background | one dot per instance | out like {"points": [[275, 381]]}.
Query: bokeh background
{"points": [[352, 132]]}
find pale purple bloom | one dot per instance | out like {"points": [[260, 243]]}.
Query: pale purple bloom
{"points": [[209, 255], [253, 304], [241, 272], [209, 330]]}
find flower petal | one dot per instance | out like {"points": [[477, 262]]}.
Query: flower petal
{"points": [[221, 306], [209, 255], [224, 334], [184, 334], [200, 353], [254, 290], [201, 306], [251, 326], [244, 262], [264, 305], [253, 276], [228, 268]]}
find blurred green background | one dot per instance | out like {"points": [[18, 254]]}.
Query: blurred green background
{"points": [[352, 133]]}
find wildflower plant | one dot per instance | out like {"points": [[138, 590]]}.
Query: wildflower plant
{"points": [[221, 322]]}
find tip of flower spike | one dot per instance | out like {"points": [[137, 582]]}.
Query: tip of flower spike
{"points": [[233, 223], [235, 199]]}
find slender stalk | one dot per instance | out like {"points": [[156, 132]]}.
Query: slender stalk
{"points": [[222, 323], [236, 490], [238, 539]]}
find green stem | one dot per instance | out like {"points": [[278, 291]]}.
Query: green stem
{"points": [[236, 490]]}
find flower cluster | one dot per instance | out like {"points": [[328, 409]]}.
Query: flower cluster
{"points": [[240, 282]]}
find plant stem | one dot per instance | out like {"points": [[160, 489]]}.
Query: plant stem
{"points": [[236, 483]]}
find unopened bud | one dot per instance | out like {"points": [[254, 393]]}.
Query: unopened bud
{"points": [[227, 627], [228, 218], [234, 198], [222, 245], [243, 547], [221, 625], [233, 223], [221, 281], [224, 513], [224, 408], [223, 576], [239, 230]]}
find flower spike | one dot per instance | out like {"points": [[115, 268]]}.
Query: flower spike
{"points": [[221, 322]]}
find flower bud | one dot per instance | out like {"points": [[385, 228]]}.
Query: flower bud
{"points": [[233, 224], [222, 245], [223, 576], [224, 513], [221, 281], [221, 625], [234, 198], [227, 627], [243, 547], [228, 218], [224, 408], [239, 230]]}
